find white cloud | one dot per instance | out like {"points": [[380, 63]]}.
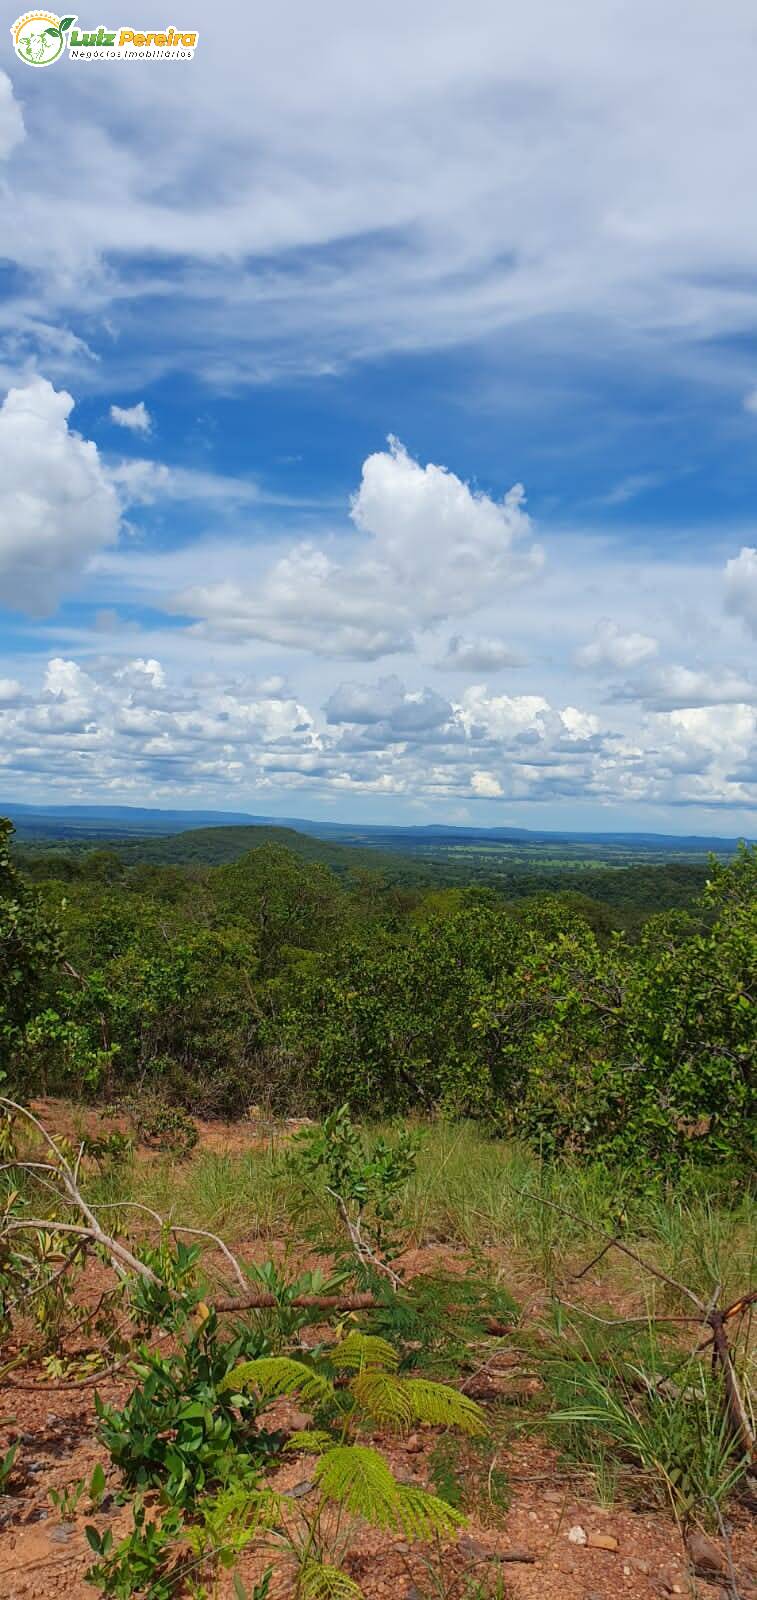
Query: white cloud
{"points": [[478, 655], [431, 548], [741, 587], [134, 729], [485, 784], [57, 507], [388, 702], [315, 216], [11, 119], [613, 646], [674, 687], [136, 418]]}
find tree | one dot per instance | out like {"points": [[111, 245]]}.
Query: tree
{"points": [[29, 953]]}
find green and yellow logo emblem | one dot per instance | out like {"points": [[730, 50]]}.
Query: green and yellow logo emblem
{"points": [[39, 37]]}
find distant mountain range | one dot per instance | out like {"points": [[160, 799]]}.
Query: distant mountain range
{"points": [[128, 822]]}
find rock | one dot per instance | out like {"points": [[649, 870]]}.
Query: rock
{"points": [[565, 1563], [670, 1581], [300, 1489], [62, 1533], [413, 1444], [474, 1550], [602, 1541], [577, 1534], [704, 1555], [638, 1564]]}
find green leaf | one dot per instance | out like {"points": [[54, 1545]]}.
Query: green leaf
{"points": [[275, 1375], [317, 1581], [360, 1480], [65, 23], [361, 1350]]}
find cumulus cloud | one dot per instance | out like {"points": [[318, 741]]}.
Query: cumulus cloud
{"points": [[613, 646], [132, 727], [485, 785], [478, 655], [136, 418], [57, 506], [388, 702], [672, 688], [741, 587], [430, 547]]}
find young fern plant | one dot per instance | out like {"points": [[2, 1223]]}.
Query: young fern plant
{"points": [[351, 1479]]}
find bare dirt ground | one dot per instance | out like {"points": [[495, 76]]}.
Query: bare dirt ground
{"points": [[554, 1542]]}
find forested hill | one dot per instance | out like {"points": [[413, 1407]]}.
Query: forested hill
{"points": [[634, 889]]}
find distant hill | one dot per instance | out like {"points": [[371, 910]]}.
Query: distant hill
{"points": [[94, 822]]}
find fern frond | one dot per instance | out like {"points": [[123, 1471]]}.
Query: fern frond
{"points": [[277, 1375], [424, 1515], [384, 1397], [443, 1407], [364, 1351], [265, 1509], [315, 1581], [359, 1479], [311, 1441]]}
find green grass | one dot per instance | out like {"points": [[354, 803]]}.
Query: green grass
{"points": [[485, 1195]]}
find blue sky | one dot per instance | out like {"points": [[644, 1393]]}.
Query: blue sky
{"points": [[379, 419]]}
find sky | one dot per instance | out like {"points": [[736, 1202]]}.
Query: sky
{"points": [[378, 416]]}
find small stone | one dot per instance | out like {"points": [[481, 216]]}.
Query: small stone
{"points": [[669, 1579], [639, 1564], [577, 1534], [301, 1489], [413, 1444], [566, 1564], [601, 1541], [62, 1533], [705, 1555], [475, 1550]]}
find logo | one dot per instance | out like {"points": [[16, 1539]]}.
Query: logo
{"points": [[39, 37]]}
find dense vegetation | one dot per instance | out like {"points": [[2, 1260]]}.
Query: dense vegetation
{"points": [[275, 979]]}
